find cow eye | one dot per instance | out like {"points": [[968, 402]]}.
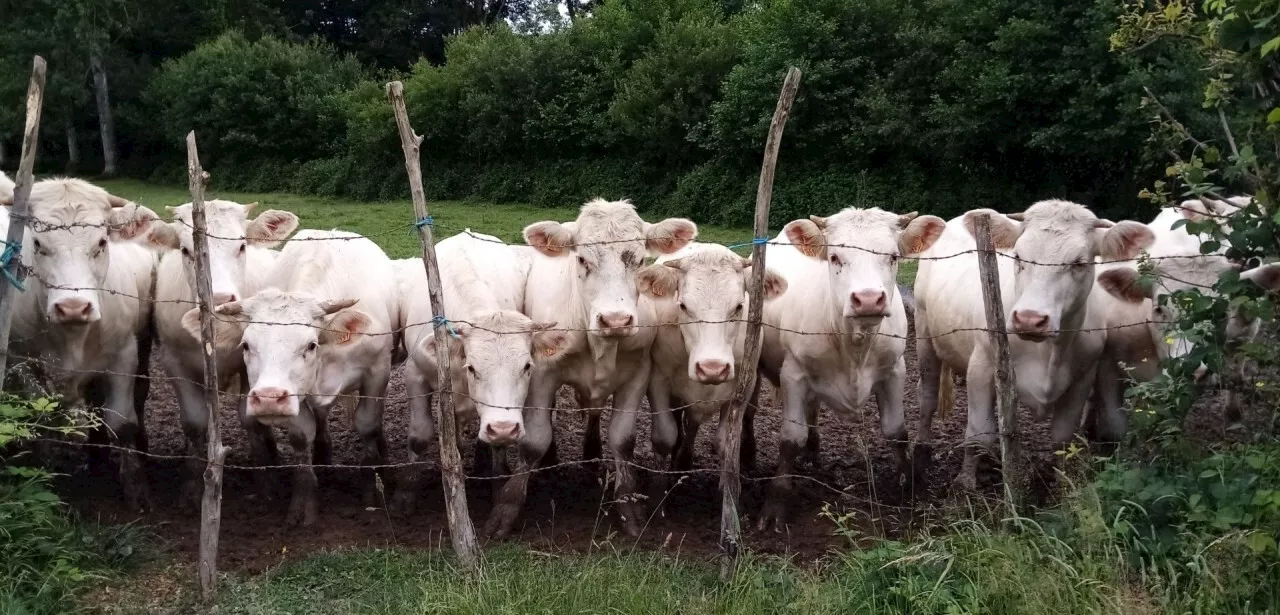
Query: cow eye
{"points": [[312, 347], [737, 310], [244, 346], [528, 367], [893, 259], [472, 371], [242, 248], [102, 243], [186, 252], [835, 260], [36, 242], [582, 262], [684, 308]]}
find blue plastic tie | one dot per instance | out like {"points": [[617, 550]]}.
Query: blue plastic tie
{"points": [[10, 250], [427, 221], [758, 241], [439, 321]]}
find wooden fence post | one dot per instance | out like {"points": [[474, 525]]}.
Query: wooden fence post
{"points": [[730, 446], [211, 505], [461, 531], [1006, 394], [12, 259]]}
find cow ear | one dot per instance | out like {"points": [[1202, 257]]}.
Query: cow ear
{"points": [[549, 345], [1125, 240], [774, 284], [808, 237], [548, 237], [919, 234], [1125, 284], [130, 221], [1266, 276], [1005, 230], [163, 236], [658, 281], [1189, 212], [228, 326], [344, 327], [270, 227], [669, 235]]}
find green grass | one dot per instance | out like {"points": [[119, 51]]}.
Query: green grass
{"points": [[388, 224]]}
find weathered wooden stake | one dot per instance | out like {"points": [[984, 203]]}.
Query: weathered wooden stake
{"points": [[211, 506], [461, 531], [18, 213], [731, 444], [1006, 394]]}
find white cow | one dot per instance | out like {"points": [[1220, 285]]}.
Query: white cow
{"points": [[1046, 277], [86, 302], [699, 297], [305, 345], [240, 261], [839, 333], [6, 187], [494, 351], [584, 278]]}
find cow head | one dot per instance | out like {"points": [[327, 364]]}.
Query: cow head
{"points": [[609, 243], [231, 234], [294, 345], [67, 247], [1176, 273], [862, 248], [1054, 244], [710, 285], [492, 359]]}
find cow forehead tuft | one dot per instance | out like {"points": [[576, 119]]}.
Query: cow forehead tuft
{"points": [[602, 220], [63, 201]]}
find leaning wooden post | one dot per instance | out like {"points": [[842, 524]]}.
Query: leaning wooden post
{"points": [[461, 531], [731, 443], [211, 506], [11, 260], [1006, 394]]}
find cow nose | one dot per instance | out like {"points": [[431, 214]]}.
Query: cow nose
{"points": [[1030, 321], [868, 302], [502, 433], [269, 400], [712, 372], [221, 298], [73, 310], [616, 320]]}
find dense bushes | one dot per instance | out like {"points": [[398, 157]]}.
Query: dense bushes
{"points": [[938, 105]]}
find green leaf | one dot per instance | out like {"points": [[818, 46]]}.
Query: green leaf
{"points": [[1273, 116], [1261, 541]]}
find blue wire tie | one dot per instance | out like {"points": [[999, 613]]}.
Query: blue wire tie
{"points": [[758, 241], [427, 221], [439, 321], [5, 259]]}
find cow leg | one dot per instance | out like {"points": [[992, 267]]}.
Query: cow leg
{"points": [[142, 383], [121, 421], [591, 446], [893, 422], [664, 433], [795, 396], [369, 410], [1109, 418], [747, 455], [195, 426], [533, 448], [684, 455], [1066, 412], [622, 443], [302, 436], [812, 444], [928, 387], [982, 430], [262, 442], [422, 431]]}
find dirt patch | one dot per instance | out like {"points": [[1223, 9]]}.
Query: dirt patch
{"points": [[567, 508]]}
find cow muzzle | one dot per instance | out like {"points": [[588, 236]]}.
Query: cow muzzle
{"points": [[74, 310], [615, 324], [1031, 325], [501, 433], [712, 371], [271, 403]]}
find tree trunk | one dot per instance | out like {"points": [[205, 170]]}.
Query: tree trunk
{"points": [[2, 158], [572, 7], [73, 148], [105, 120]]}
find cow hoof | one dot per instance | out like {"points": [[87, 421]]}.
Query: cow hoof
{"points": [[301, 514], [773, 516], [501, 521]]}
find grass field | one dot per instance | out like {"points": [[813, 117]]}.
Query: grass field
{"points": [[389, 224]]}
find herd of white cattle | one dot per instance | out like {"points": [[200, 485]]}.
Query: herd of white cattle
{"points": [[329, 314]]}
